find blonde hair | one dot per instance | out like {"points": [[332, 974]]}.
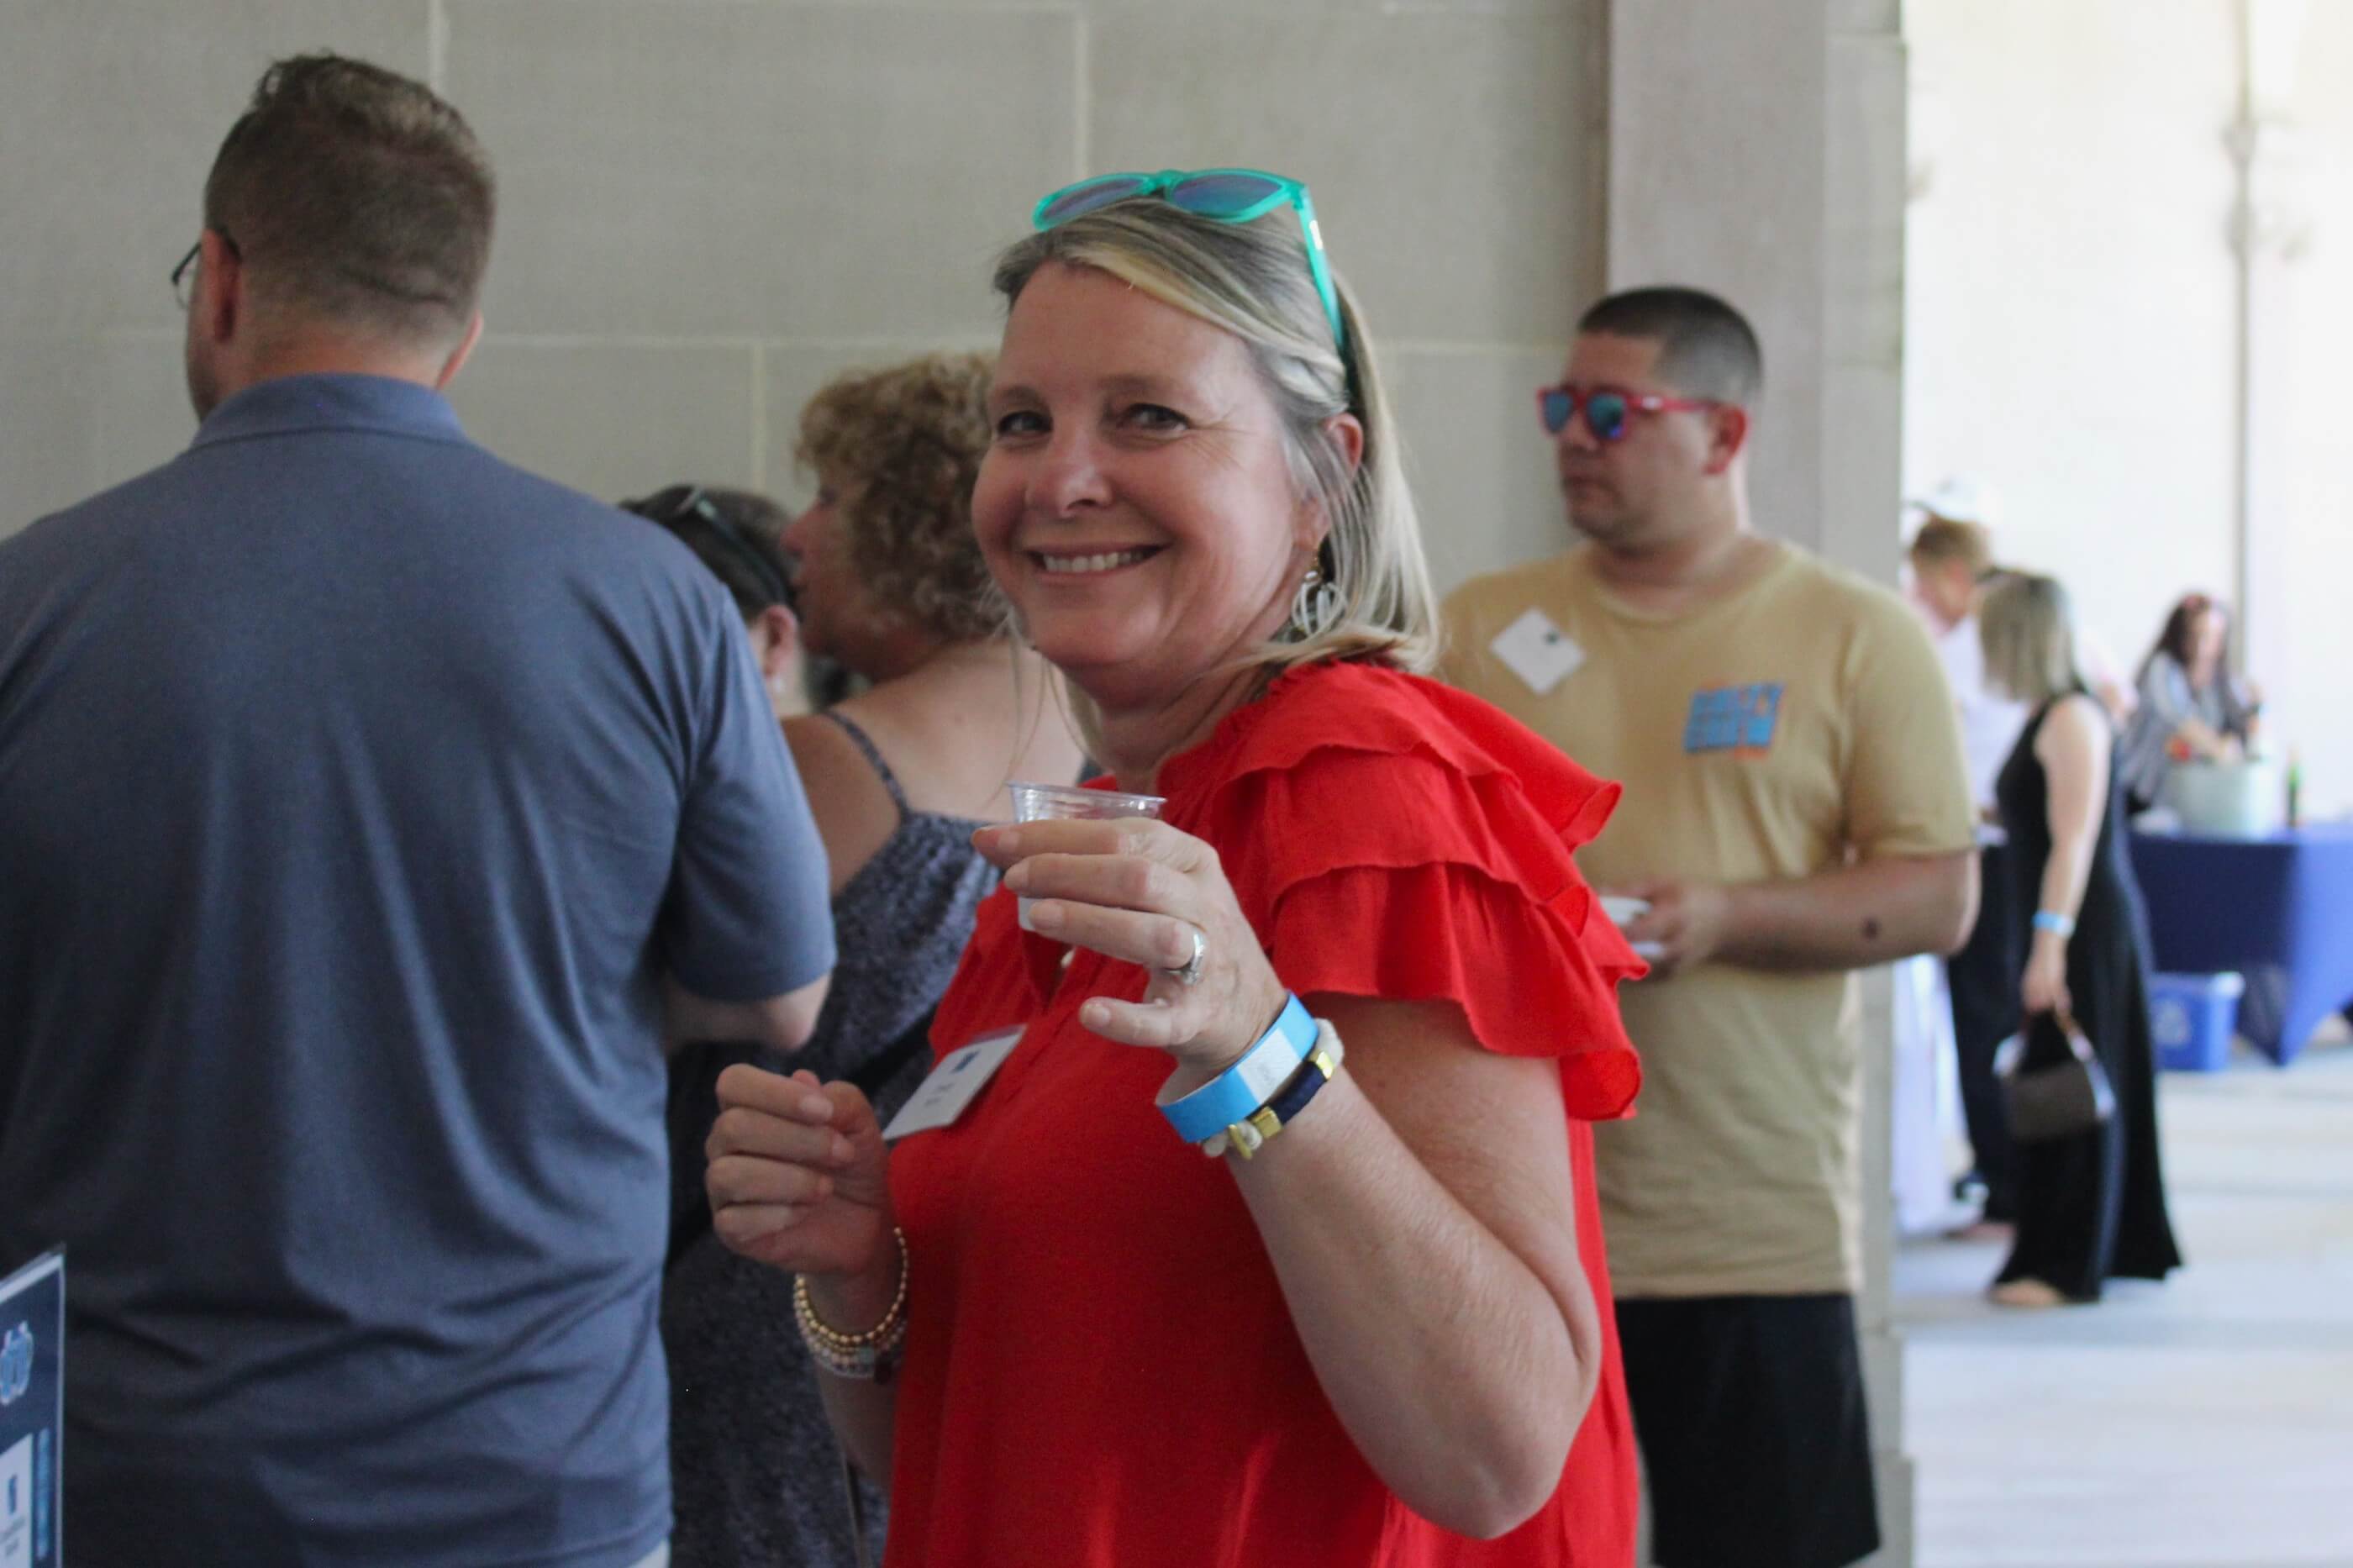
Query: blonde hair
{"points": [[2027, 625], [906, 446], [1252, 279]]}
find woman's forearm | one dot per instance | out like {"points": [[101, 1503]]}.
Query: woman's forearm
{"points": [[864, 1413], [1461, 1371], [864, 1418], [2065, 875], [1419, 1214]]}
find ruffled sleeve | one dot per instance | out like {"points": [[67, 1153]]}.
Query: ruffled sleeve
{"points": [[1395, 838]]}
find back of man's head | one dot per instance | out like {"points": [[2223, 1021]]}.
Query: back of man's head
{"points": [[357, 197], [1953, 542], [1706, 349]]}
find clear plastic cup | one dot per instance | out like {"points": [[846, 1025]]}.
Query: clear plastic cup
{"points": [[1068, 802], [1624, 911]]}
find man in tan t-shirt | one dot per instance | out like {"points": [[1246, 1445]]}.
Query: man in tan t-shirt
{"points": [[1796, 809]]}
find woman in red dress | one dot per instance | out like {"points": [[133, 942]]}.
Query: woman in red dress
{"points": [[1383, 1337]]}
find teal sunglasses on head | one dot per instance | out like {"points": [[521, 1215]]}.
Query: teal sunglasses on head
{"points": [[1222, 195]]}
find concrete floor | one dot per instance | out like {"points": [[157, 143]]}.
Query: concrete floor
{"points": [[2207, 1423]]}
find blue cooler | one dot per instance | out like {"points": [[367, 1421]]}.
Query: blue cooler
{"points": [[2191, 1016]]}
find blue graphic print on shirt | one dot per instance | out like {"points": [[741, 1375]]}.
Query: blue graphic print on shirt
{"points": [[1733, 718]]}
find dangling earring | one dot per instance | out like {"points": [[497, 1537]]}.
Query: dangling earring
{"points": [[1315, 606]]}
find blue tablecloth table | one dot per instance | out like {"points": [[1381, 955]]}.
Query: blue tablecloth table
{"points": [[2277, 909]]}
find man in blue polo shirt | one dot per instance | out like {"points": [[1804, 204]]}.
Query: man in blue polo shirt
{"points": [[369, 811]]}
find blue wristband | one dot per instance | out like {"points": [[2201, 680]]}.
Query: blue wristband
{"points": [[2056, 924], [1242, 1088]]}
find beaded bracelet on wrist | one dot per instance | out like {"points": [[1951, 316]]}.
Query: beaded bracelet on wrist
{"points": [[869, 1355]]}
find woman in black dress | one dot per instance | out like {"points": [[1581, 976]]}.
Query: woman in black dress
{"points": [[2091, 1206]]}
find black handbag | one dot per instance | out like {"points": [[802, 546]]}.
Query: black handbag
{"points": [[2060, 1099]]}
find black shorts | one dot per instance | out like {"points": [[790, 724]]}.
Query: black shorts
{"points": [[1749, 1410]]}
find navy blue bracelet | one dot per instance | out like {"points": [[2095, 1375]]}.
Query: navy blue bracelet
{"points": [[1243, 1087], [1246, 1136]]}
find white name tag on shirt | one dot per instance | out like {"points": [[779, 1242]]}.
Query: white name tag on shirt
{"points": [[962, 1074], [1537, 651]]}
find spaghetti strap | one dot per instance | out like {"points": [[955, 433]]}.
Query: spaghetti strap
{"points": [[865, 744]]}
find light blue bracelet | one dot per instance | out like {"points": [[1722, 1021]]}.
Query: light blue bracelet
{"points": [[1239, 1091], [2056, 924]]}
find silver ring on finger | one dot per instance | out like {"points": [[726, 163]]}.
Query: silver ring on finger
{"points": [[1189, 973]]}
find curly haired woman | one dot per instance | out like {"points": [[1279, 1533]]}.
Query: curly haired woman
{"points": [[892, 586]]}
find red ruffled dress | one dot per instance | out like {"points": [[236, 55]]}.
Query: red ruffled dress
{"points": [[1100, 1369]]}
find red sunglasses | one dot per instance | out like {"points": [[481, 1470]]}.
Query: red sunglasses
{"points": [[1607, 409]]}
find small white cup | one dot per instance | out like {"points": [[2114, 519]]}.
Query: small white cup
{"points": [[1624, 911], [1068, 802]]}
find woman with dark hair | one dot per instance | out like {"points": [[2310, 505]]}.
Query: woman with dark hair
{"points": [[2189, 699], [735, 533], [890, 587]]}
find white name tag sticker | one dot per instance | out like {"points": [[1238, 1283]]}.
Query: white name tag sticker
{"points": [[1537, 651], [962, 1074]]}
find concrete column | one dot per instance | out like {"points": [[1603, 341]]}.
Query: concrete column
{"points": [[2269, 231], [1756, 150]]}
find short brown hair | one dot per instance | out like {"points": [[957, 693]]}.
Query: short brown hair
{"points": [[1706, 348], [357, 195], [904, 447], [1948, 539]]}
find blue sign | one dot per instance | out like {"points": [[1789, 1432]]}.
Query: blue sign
{"points": [[32, 1414]]}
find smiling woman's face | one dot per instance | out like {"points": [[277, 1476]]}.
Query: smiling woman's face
{"points": [[1134, 504]]}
